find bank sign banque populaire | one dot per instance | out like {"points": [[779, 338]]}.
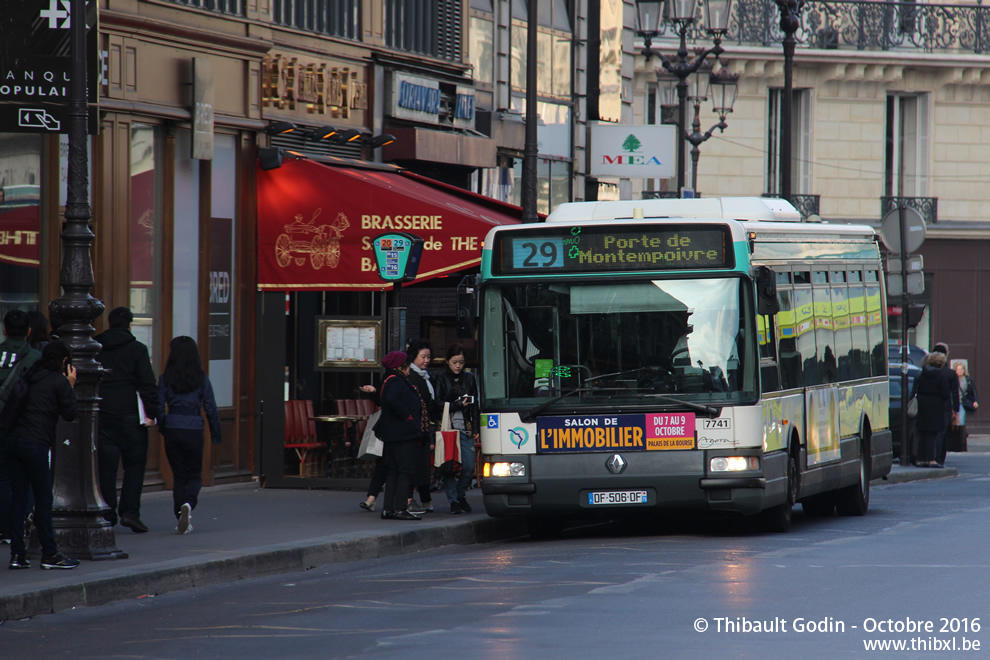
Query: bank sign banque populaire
{"points": [[36, 65], [633, 151]]}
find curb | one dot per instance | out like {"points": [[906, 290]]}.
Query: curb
{"points": [[257, 562], [915, 474]]}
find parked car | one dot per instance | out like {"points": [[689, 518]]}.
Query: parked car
{"points": [[915, 354], [896, 430]]}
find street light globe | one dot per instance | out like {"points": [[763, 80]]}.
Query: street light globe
{"points": [[682, 11], [717, 12]]}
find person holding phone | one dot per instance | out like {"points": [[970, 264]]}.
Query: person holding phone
{"points": [[459, 388], [28, 444]]}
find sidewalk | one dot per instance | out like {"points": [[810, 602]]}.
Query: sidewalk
{"points": [[242, 531]]}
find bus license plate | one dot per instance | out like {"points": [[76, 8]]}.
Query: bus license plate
{"points": [[618, 497]]}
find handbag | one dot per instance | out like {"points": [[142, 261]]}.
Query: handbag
{"points": [[371, 445], [912, 407], [969, 398], [447, 448]]}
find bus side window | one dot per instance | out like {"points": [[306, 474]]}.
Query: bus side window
{"points": [[767, 335]]}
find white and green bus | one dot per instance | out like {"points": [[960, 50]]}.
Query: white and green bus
{"points": [[682, 356]]}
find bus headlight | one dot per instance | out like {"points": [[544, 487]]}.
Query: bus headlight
{"points": [[734, 463], [504, 470]]}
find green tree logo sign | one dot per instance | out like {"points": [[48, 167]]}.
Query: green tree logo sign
{"points": [[632, 143]]}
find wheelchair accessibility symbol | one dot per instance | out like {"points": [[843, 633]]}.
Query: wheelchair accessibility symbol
{"points": [[491, 421]]}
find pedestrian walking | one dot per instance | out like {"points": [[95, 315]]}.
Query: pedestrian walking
{"points": [[184, 393], [459, 388], [401, 427], [420, 353], [951, 418], [39, 330], [380, 472], [957, 437], [931, 388], [28, 444], [16, 355], [128, 406]]}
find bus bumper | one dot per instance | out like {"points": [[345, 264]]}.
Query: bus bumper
{"points": [[675, 482]]}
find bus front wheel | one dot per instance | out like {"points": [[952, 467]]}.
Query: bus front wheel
{"points": [[778, 518], [854, 500]]}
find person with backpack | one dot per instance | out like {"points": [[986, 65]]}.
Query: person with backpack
{"points": [[184, 392], [16, 356], [47, 396]]}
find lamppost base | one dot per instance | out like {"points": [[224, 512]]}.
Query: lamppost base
{"points": [[86, 535]]}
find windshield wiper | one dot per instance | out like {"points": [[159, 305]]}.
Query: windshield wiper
{"points": [[617, 374], [711, 411], [530, 415]]}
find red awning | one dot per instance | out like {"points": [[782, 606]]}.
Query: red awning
{"points": [[20, 234], [316, 224]]}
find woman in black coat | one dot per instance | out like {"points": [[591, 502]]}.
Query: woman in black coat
{"points": [[934, 400], [401, 426], [28, 443]]}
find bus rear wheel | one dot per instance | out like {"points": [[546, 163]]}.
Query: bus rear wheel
{"points": [[854, 500]]}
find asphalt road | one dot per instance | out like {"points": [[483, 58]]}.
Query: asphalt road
{"points": [[918, 560]]}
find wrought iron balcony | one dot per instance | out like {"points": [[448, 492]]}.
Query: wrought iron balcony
{"points": [[926, 206], [855, 25], [661, 194], [806, 205]]}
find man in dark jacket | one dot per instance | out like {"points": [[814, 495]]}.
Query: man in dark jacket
{"points": [[951, 417], [128, 405], [13, 351]]}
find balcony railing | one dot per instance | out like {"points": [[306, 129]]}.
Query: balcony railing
{"points": [[926, 206], [661, 194], [806, 205], [855, 24]]}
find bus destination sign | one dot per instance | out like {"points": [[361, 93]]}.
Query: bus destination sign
{"points": [[647, 247]]}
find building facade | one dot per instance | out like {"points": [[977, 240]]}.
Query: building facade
{"points": [[889, 106]]}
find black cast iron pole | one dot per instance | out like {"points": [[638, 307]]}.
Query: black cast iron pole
{"points": [[531, 147], [789, 20], [682, 68], [696, 138], [80, 528]]}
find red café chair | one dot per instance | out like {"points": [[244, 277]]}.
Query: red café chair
{"points": [[300, 436]]}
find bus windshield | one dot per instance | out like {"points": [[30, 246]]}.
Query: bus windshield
{"points": [[622, 343]]}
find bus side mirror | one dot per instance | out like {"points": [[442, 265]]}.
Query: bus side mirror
{"points": [[766, 290]]}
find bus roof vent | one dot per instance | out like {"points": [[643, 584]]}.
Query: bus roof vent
{"points": [[762, 209]]}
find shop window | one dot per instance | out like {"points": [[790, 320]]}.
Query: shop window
{"points": [[185, 256], [20, 222], [223, 210], [145, 231]]}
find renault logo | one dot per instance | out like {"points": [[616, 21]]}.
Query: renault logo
{"points": [[616, 464]]}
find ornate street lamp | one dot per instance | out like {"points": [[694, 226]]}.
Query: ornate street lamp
{"points": [[77, 509], [681, 14], [722, 87], [790, 19]]}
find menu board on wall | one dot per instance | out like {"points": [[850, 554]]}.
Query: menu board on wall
{"points": [[348, 343]]}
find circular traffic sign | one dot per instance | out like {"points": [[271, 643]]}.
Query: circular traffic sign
{"points": [[914, 229]]}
